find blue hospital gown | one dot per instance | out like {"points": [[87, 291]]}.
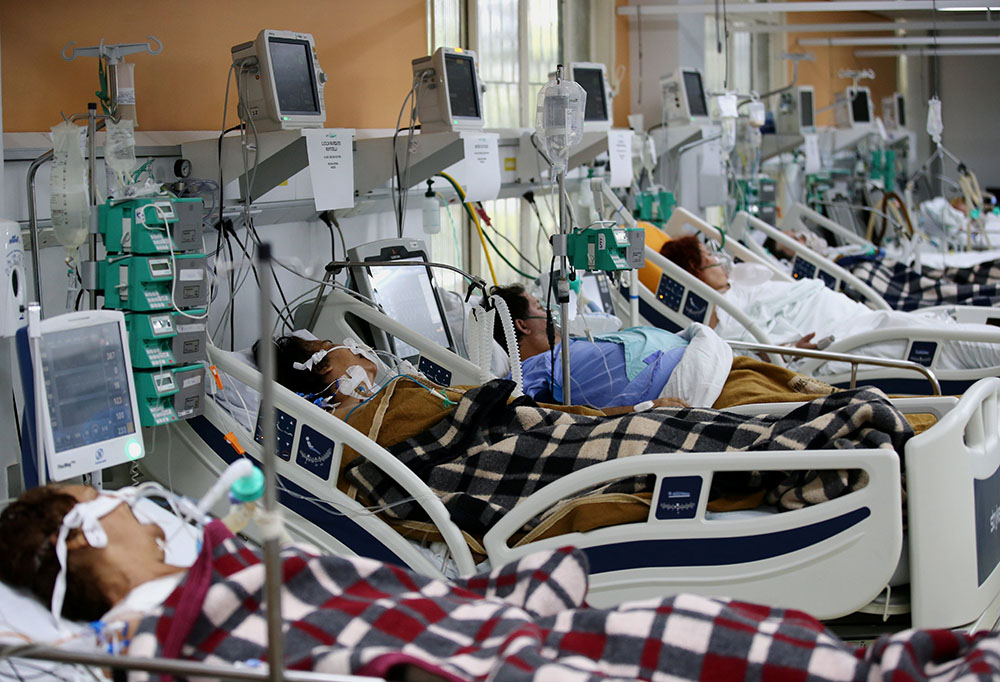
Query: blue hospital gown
{"points": [[601, 375]]}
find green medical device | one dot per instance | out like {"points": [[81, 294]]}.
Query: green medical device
{"points": [[143, 225], [170, 394], [608, 249], [166, 338], [148, 283]]}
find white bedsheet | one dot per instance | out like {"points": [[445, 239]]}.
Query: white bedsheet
{"points": [[787, 311]]}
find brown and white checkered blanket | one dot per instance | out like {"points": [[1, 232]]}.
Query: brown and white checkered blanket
{"points": [[903, 288], [489, 454], [523, 621]]}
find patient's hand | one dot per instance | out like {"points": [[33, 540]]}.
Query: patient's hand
{"points": [[806, 342], [670, 402]]}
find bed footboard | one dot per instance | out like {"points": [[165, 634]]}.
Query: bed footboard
{"points": [[829, 559], [953, 500]]}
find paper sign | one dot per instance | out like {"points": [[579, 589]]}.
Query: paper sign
{"points": [[479, 172], [811, 148], [620, 157], [331, 166]]}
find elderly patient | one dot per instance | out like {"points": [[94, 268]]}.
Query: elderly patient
{"points": [[804, 311], [612, 370], [525, 620]]}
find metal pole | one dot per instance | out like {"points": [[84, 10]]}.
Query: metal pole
{"points": [[163, 665], [272, 548], [33, 222], [563, 289], [92, 178]]}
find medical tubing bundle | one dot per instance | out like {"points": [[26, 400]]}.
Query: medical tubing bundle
{"points": [[234, 472], [512, 350], [480, 338]]}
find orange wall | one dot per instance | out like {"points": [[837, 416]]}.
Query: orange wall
{"points": [[822, 73], [364, 47]]}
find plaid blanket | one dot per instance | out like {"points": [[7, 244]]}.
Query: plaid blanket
{"points": [[903, 288], [523, 621], [489, 454]]}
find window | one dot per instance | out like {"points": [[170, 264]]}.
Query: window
{"points": [[517, 44]]}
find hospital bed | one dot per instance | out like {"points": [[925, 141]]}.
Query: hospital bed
{"points": [[800, 218], [850, 546], [672, 299], [807, 264]]}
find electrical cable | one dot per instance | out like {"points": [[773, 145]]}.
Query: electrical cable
{"points": [[475, 220]]}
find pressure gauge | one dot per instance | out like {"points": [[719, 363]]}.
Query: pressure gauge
{"points": [[182, 168]]}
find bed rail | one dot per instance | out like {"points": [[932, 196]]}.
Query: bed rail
{"points": [[953, 500], [807, 263], [778, 559], [311, 419]]}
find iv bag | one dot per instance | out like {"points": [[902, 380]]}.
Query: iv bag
{"points": [[68, 194], [935, 124], [559, 119], [119, 150]]}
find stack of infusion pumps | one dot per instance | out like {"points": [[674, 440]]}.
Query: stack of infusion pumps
{"points": [[155, 273]]}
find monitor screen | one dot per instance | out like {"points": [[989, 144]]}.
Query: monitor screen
{"points": [[407, 296], [595, 287], [806, 109], [461, 74], [697, 106], [87, 391], [860, 110], [900, 110], [294, 77], [592, 81]]}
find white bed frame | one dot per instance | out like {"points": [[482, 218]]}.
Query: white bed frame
{"points": [[683, 288], [830, 559]]}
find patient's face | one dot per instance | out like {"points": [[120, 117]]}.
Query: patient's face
{"points": [[535, 322], [126, 536], [711, 271], [337, 361]]}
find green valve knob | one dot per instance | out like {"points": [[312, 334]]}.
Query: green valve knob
{"points": [[249, 488]]}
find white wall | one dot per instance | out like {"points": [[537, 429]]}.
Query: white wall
{"points": [[667, 43], [970, 104]]}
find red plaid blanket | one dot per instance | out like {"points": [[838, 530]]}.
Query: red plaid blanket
{"points": [[524, 621]]}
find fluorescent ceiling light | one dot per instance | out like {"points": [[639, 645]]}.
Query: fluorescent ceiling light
{"points": [[664, 9], [865, 26], [930, 52], [972, 8], [904, 40]]}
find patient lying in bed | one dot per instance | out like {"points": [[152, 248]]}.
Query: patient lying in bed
{"points": [[804, 311], [903, 286], [482, 451], [525, 620]]}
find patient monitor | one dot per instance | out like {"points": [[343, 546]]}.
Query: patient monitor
{"points": [[684, 101], [797, 112], [448, 93], [592, 77], [280, 81], [89, 412], [894, 111], [853, 107], [405, 292]]}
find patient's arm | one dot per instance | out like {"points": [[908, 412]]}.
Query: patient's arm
{"points": [[659, 402]]}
